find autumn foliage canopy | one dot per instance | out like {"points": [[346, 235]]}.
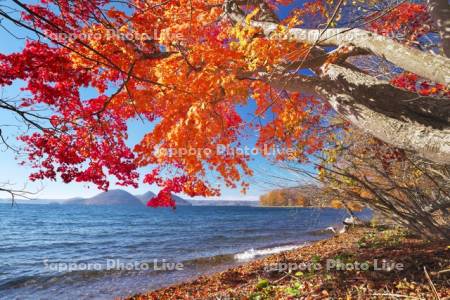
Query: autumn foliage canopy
{"points": [[182, 68]]}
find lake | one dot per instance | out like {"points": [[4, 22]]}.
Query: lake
{"points": [[101, 252]]}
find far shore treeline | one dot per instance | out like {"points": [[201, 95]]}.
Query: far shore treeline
{"points": [[308, 195]]}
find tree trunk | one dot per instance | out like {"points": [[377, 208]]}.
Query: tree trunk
{"points": [[403, 119], [395, 116]]}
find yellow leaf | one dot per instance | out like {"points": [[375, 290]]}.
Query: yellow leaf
{"points": [[249, 17]]}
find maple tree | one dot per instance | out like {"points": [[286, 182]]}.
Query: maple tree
{"points": [[186, 65]]}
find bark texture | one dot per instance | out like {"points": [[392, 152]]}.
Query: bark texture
{"points": [[395, 116]]}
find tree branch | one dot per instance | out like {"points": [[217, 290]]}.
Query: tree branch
{"points": [[379, 109], [433, 67]]}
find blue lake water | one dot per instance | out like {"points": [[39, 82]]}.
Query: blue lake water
{"points": [[102, 252]]}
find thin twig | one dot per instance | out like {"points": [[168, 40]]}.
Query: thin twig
{"points": [[433, 288]]}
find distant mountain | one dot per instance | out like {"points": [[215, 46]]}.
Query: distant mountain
{"points": [[25, 201], [119, 197], [76, 200], [178, 200], [224, 203], [145, 197], [112, 197]]}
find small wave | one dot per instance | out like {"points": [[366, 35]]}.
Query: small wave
{"points": [[252, 253], [45, 281], [211, 260], [324, 232]]}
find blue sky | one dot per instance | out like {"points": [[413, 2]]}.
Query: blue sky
{"points": [[17, 175]]}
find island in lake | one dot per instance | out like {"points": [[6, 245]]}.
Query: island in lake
{"points": [[120, 197]]}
